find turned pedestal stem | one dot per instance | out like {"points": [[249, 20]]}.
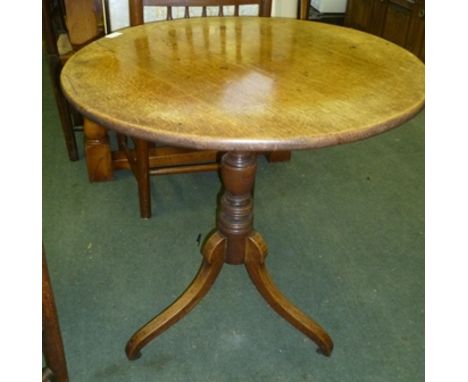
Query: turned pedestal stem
{"points": [[235, 218]]}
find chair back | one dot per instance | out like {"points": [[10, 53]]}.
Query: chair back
{"points": [[68, 25], [222, 7]]}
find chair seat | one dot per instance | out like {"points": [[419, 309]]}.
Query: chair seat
{"points": [[64, 45]]}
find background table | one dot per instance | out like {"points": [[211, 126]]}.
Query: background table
{"points": [[243, 85]]}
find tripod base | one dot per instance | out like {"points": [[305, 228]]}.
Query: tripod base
{"points": [[234, 242], [213, 260]]}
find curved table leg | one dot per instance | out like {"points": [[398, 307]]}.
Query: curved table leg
{"points": [[213, 260], [255, 264]]}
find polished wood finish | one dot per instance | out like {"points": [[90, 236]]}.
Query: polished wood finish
{"points": [[213, 256], [166, 158], [141, 171], [255, 255], [304, 9], [53, 350], [276, 84], [185, 169], [399, 21], [235, 218], [358, 14], [415, 39], [81, 21], [234, 242], [182, 160], [97, 150]]}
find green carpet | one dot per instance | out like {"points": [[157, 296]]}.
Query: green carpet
{"points": [[345, 228]]}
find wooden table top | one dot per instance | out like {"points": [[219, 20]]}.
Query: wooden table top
{"points": [[245, 83]]}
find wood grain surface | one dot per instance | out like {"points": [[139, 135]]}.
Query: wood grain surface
{"points": [[245, 83]]}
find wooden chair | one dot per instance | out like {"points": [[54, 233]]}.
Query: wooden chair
{"points": [[144, 158], [67, 26], [304, 9], [54, 354]]}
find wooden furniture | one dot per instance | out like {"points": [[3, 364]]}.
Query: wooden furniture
{"points": [[303, 9], [143, 158], [56, 369], [399, 21], [68, 25], [281, 84]]}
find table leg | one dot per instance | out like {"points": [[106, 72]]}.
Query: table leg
{"points": [[234, 242], [213, 260], [255, 264]]}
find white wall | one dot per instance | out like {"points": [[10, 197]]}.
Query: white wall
{"points": [[284, 8], [118, 13], [118, 10]]}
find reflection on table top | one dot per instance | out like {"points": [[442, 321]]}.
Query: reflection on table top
{"points": [[245, 83]]}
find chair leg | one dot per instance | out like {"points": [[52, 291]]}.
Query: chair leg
{"points": [[54, 353], [67, 127], [143, 177], [63, 109], [278, 156], [121, 141], [97, 152]]}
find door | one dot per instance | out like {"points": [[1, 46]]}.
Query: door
{"points": [[359, 14], [397, 21]]}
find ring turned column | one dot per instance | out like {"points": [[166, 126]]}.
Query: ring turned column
{"points": [[235, 218]]}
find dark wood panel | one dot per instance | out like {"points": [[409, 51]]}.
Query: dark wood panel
{"points": [[376, 22], [416, 34], [397, 23], [360, 15]]}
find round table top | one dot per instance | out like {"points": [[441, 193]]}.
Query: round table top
{"points": [[245, 83]]}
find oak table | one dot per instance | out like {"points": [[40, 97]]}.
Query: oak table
{"points": [[243, 85]]}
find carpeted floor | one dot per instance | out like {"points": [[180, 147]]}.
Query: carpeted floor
{"points": [[345, 228]]}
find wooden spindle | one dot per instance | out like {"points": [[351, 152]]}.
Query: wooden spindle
{"points": [[136, 12], [235, 218]]}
